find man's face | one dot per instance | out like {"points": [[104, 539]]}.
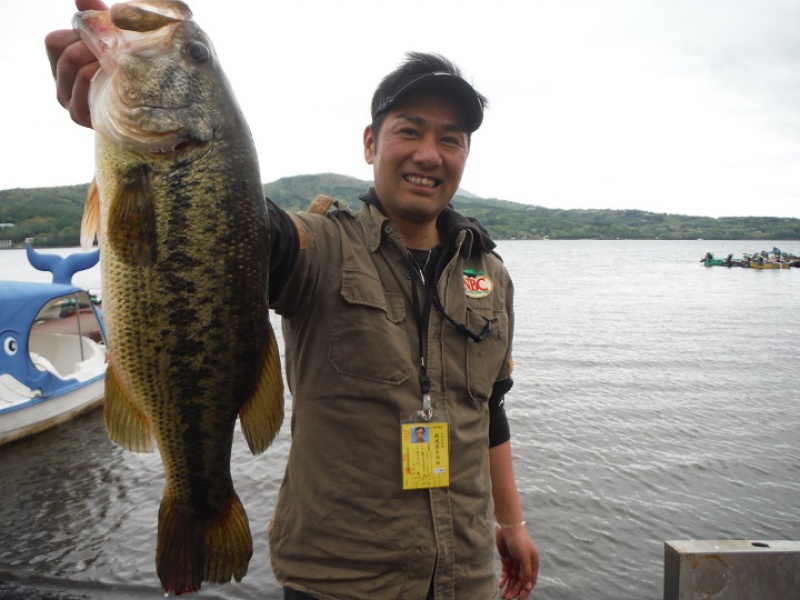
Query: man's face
{"points": [[418, 157]]}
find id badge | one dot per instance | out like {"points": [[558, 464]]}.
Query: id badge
{"points": [[426, 452]]}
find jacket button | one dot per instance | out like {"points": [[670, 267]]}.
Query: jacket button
{"points": [[423, 548], [387, 229]]}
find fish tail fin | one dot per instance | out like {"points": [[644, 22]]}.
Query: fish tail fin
{"points": [[261, 416], [190, 551], [126, 425], [90, 223]]}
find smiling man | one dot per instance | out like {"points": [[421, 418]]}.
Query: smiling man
{"points": [[418, 152], [396, 316], [381, 305]]}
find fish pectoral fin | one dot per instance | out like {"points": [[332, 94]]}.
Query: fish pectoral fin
{"points": [[190, 551], [90, 223], [126, 424], [132, 219], [261, 416]]}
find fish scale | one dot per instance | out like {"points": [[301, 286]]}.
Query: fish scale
{"points": [[182, 224]]}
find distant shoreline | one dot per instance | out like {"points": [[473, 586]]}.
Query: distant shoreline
{"points": [[52, 216]]}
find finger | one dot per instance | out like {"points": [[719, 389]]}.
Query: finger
{"points": [[513, 584], [501, 582], [90, 5], [512, 589], [526, 572], [79, 108], [56, 42], [526, 588], [528, 581], [72, 59]]}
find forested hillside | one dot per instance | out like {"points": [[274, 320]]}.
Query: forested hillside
{"points": [[52, 216]]}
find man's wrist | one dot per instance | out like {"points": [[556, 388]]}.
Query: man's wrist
{"points": [[515, 525]]}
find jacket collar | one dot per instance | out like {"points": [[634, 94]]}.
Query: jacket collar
{"points": [[450, 224]]}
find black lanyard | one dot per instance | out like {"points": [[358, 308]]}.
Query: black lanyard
{"points": [[422, 317]]}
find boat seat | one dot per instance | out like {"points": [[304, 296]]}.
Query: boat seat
{"points": [[61, 355], [41, 363], [58, 348]]}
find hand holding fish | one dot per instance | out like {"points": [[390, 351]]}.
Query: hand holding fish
{"points": [[73, 66]]}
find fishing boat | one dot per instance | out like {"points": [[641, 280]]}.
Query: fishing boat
{"points": [[764, 260], [52, 348], [759, 260], [768, 264], [710, 260]]}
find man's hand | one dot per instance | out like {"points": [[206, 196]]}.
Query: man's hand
{"points": [[520, 562], [73, 67]]}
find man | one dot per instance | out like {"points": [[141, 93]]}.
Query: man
{"points": [[396, 316], [419, 435]]}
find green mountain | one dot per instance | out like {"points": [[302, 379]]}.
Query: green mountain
{"points": [[52, 215], [512, 220]]}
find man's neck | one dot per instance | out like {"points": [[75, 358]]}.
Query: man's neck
{"points": [[417, 236]]}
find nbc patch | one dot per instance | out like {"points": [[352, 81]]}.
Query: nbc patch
{"points": [[476, 284]]}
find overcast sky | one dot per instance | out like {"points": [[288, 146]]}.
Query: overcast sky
{"points": [[679, 106]]}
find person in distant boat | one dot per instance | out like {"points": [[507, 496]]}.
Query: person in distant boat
{"points": [[728, 260], [387, 329]]}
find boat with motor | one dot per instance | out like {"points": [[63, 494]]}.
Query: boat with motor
{"points": [[52, 347], [758, 260], [710, 260]]}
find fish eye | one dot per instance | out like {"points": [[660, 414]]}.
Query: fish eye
{"points": [[197, 51], [10, 346]]}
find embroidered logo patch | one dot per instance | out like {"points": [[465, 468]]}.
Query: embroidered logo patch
{"points": [[476, 284]]}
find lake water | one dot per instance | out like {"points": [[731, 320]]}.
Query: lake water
{"points": [[655, 399]]}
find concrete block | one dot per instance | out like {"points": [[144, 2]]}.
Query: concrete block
{"points": [[731, 570]]}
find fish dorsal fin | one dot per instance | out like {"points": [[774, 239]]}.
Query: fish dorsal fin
{"points": [[132, 219], [90, 223], [149, 15]]}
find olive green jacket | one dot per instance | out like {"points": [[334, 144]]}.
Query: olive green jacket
{"points": [[344, 528]]}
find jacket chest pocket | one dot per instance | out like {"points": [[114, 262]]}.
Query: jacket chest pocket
{"points": [[368, 337], [486, 359]]}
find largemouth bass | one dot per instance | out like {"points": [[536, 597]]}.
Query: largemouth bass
{"points": [[178, 208]]}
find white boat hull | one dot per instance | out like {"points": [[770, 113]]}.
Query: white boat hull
{"points": [[39, 414]]}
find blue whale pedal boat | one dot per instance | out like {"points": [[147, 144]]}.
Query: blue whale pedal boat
{"points": [[52, 348]]}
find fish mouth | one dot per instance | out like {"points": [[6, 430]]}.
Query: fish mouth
{"points": [[185, 149], [423, 181], [105, 31], [97, 32]]}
